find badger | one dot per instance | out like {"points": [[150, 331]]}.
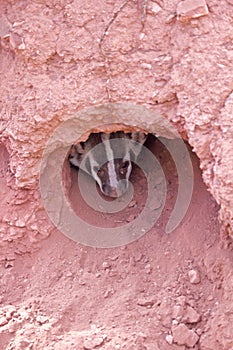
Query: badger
{"points": [[108, 159]]}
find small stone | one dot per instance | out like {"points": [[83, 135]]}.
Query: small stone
{"points": [[181, 300], [153, 8], [13, 231], [175, 322], [132, 204], [148, 269], [9, 264], [138, 256], [170, 18], [169, 339], [191, 315], [131, 218], [177, 312], [182, 335], [108, 292], [114, 257], [20, 223], [25, 344], [146, 301], [194, 276], [82, 282], [146, 65], [189, 9], [69, 274], [11, 310], [3, 321], [42, 319], [141, 36], [93, 342], [106, 265]]}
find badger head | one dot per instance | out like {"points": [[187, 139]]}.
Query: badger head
{"points": [[108, 159]]}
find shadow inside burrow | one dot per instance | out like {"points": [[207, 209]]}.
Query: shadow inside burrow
{"points": [[135, 206]]}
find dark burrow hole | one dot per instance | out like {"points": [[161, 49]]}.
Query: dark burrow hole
{"points": [[139, 182]]}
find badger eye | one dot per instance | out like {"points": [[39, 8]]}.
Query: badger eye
{"points": [[124, 167], [125, 164], [101, 172]]}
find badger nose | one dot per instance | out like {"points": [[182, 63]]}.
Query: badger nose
{"points": [[109, 191], [113, 193], [116, 191]]}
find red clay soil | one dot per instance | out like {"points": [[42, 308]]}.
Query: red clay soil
{"points": [[163, 291]]}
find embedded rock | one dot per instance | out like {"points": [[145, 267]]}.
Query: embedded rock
{"points": [[182, 335], [188, 9]]}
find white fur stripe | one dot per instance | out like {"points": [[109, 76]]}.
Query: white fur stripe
{"points": [[111, 166], [94, 164], [112, 174]]}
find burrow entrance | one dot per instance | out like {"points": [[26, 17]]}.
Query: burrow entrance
{"points": [[166, 201], [140, 188]]}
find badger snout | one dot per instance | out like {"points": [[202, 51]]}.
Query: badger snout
{"points": [[116, 191], [113, 177]]}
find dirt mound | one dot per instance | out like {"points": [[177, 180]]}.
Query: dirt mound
{"points": [[162, 291]]}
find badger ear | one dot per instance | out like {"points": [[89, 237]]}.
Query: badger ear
{"points": [[104, 137], [75, 156], [139, 138]]}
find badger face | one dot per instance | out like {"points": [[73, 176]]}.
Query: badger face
{"points": [[113, 177], [110, 163]]}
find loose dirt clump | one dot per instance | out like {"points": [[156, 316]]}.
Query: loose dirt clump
{"points": [[164, 291]]}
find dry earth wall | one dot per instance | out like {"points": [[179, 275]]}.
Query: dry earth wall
{"points": [[162, 292], [58, 57]]}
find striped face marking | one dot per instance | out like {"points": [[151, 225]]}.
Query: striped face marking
{"points": [[114, 175], [109, 163], [113, 181]]}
